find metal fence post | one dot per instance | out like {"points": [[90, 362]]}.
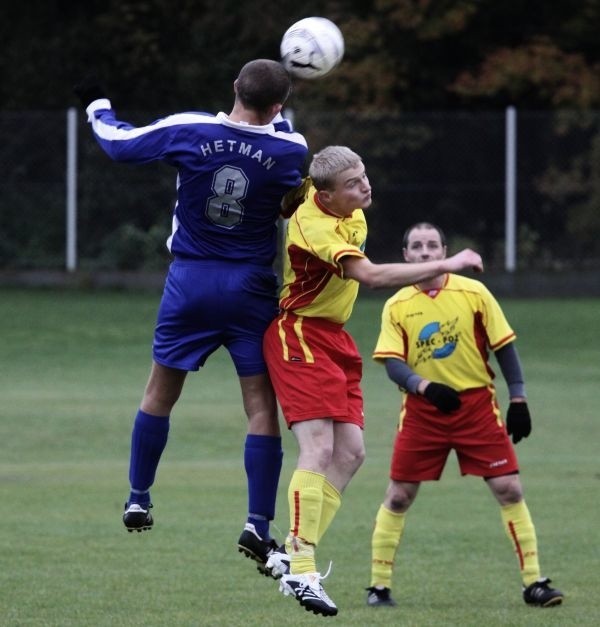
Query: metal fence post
{"points": [[510, 191], [71, 209]]}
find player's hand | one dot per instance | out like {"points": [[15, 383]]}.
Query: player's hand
{"points": [[466, 259], [88, 90], [295, 197], [518, 421], [445, 398]]}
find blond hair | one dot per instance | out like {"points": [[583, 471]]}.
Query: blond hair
{"points": [[329, 162]]}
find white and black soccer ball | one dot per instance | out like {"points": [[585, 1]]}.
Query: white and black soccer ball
{"points": [[312, 47]]}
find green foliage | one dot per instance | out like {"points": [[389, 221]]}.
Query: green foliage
{"points": [[73, 367], [32, 192], [131, 248], [400, 54], [584, 217]]}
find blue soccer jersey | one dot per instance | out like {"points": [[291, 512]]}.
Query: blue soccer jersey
{"points": [[230, 177]]}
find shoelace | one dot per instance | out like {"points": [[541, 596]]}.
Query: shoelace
{"points": [[328, 570], [322, 592], [321, 577]]}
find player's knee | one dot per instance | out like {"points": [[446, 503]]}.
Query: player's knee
{"points": [[507, 489], [398, 500], [159, 404], [511, 495], [359, 457], [264, 421], [350, 459]]}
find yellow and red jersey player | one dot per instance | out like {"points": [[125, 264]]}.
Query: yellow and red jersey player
{"points": [[316, 301], [444, 334], [314, 363], [435, 341]]}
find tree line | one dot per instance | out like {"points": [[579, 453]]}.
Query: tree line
{"points": [[403, 58], [400, 54]]}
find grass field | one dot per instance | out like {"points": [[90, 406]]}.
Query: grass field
{"points": [[72, 369]]}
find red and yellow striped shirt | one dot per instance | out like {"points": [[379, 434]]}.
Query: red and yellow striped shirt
{"points": [[445, 336], [313, 280]]}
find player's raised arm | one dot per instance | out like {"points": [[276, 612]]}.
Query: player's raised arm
{"points": [[378, 275]]}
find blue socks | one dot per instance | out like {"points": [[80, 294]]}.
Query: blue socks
{"points": [[148, 440], [263, 457]]}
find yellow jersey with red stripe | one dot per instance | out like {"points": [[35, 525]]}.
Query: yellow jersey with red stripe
{"points": [[313, 278], [445, 335]]}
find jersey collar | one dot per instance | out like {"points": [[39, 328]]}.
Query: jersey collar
{"points": [[244, 126]]}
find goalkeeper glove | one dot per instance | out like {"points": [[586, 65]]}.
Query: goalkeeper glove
{"points": [[295, 197], [518, 421], [444, 397], [88, 90]]}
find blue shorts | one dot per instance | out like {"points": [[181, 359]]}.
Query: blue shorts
{"points": [[208, 304]]}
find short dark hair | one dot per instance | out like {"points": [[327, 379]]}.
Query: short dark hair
{"points": [[263, 83], [422, 225]]}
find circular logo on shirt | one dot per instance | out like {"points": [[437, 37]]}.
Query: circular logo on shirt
{"points": [[440, 344]]}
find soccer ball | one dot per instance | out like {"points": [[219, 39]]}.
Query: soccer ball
{"points": [[312, 47]]}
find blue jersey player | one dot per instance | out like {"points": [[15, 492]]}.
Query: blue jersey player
{"points": [[232, 174]]}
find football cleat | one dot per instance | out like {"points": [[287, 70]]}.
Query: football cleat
{"points": [[540, 593], [138, 517], [278, 563], [254, 547], [309, 592], [379, 597]]}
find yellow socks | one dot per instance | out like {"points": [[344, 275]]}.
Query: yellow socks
{"points": [[389, 528], [332, 500], [384, 543], [521, 532], [313, 503], [305, 495]]}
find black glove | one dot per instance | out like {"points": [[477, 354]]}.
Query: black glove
{"points": [[88, 90], [444, 397], [518, 421]]}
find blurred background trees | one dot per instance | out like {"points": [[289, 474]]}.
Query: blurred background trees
{"points": [[400, 54], [420, 93]]}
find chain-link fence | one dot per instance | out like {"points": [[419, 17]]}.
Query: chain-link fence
{"points": [[446, 167]]}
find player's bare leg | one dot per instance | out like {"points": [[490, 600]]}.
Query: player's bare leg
{"points": [[162, 390], [260, 405], [348, 454]]}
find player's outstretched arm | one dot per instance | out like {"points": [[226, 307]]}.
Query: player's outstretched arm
{"points": [[466, 259], [378, 275]]}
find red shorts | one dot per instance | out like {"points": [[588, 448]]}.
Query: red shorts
{"points": [[315, 368], [476, 432]]}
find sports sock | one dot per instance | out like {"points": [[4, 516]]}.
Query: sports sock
{"points": [[305, 495], [521, 532], [263, 457], [332, 501], [389, 527], [148, 440]]}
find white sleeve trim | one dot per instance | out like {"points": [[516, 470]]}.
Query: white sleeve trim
{"points": [[101, 103]]}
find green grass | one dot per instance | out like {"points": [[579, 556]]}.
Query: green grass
{"points": [[72, 370]]}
